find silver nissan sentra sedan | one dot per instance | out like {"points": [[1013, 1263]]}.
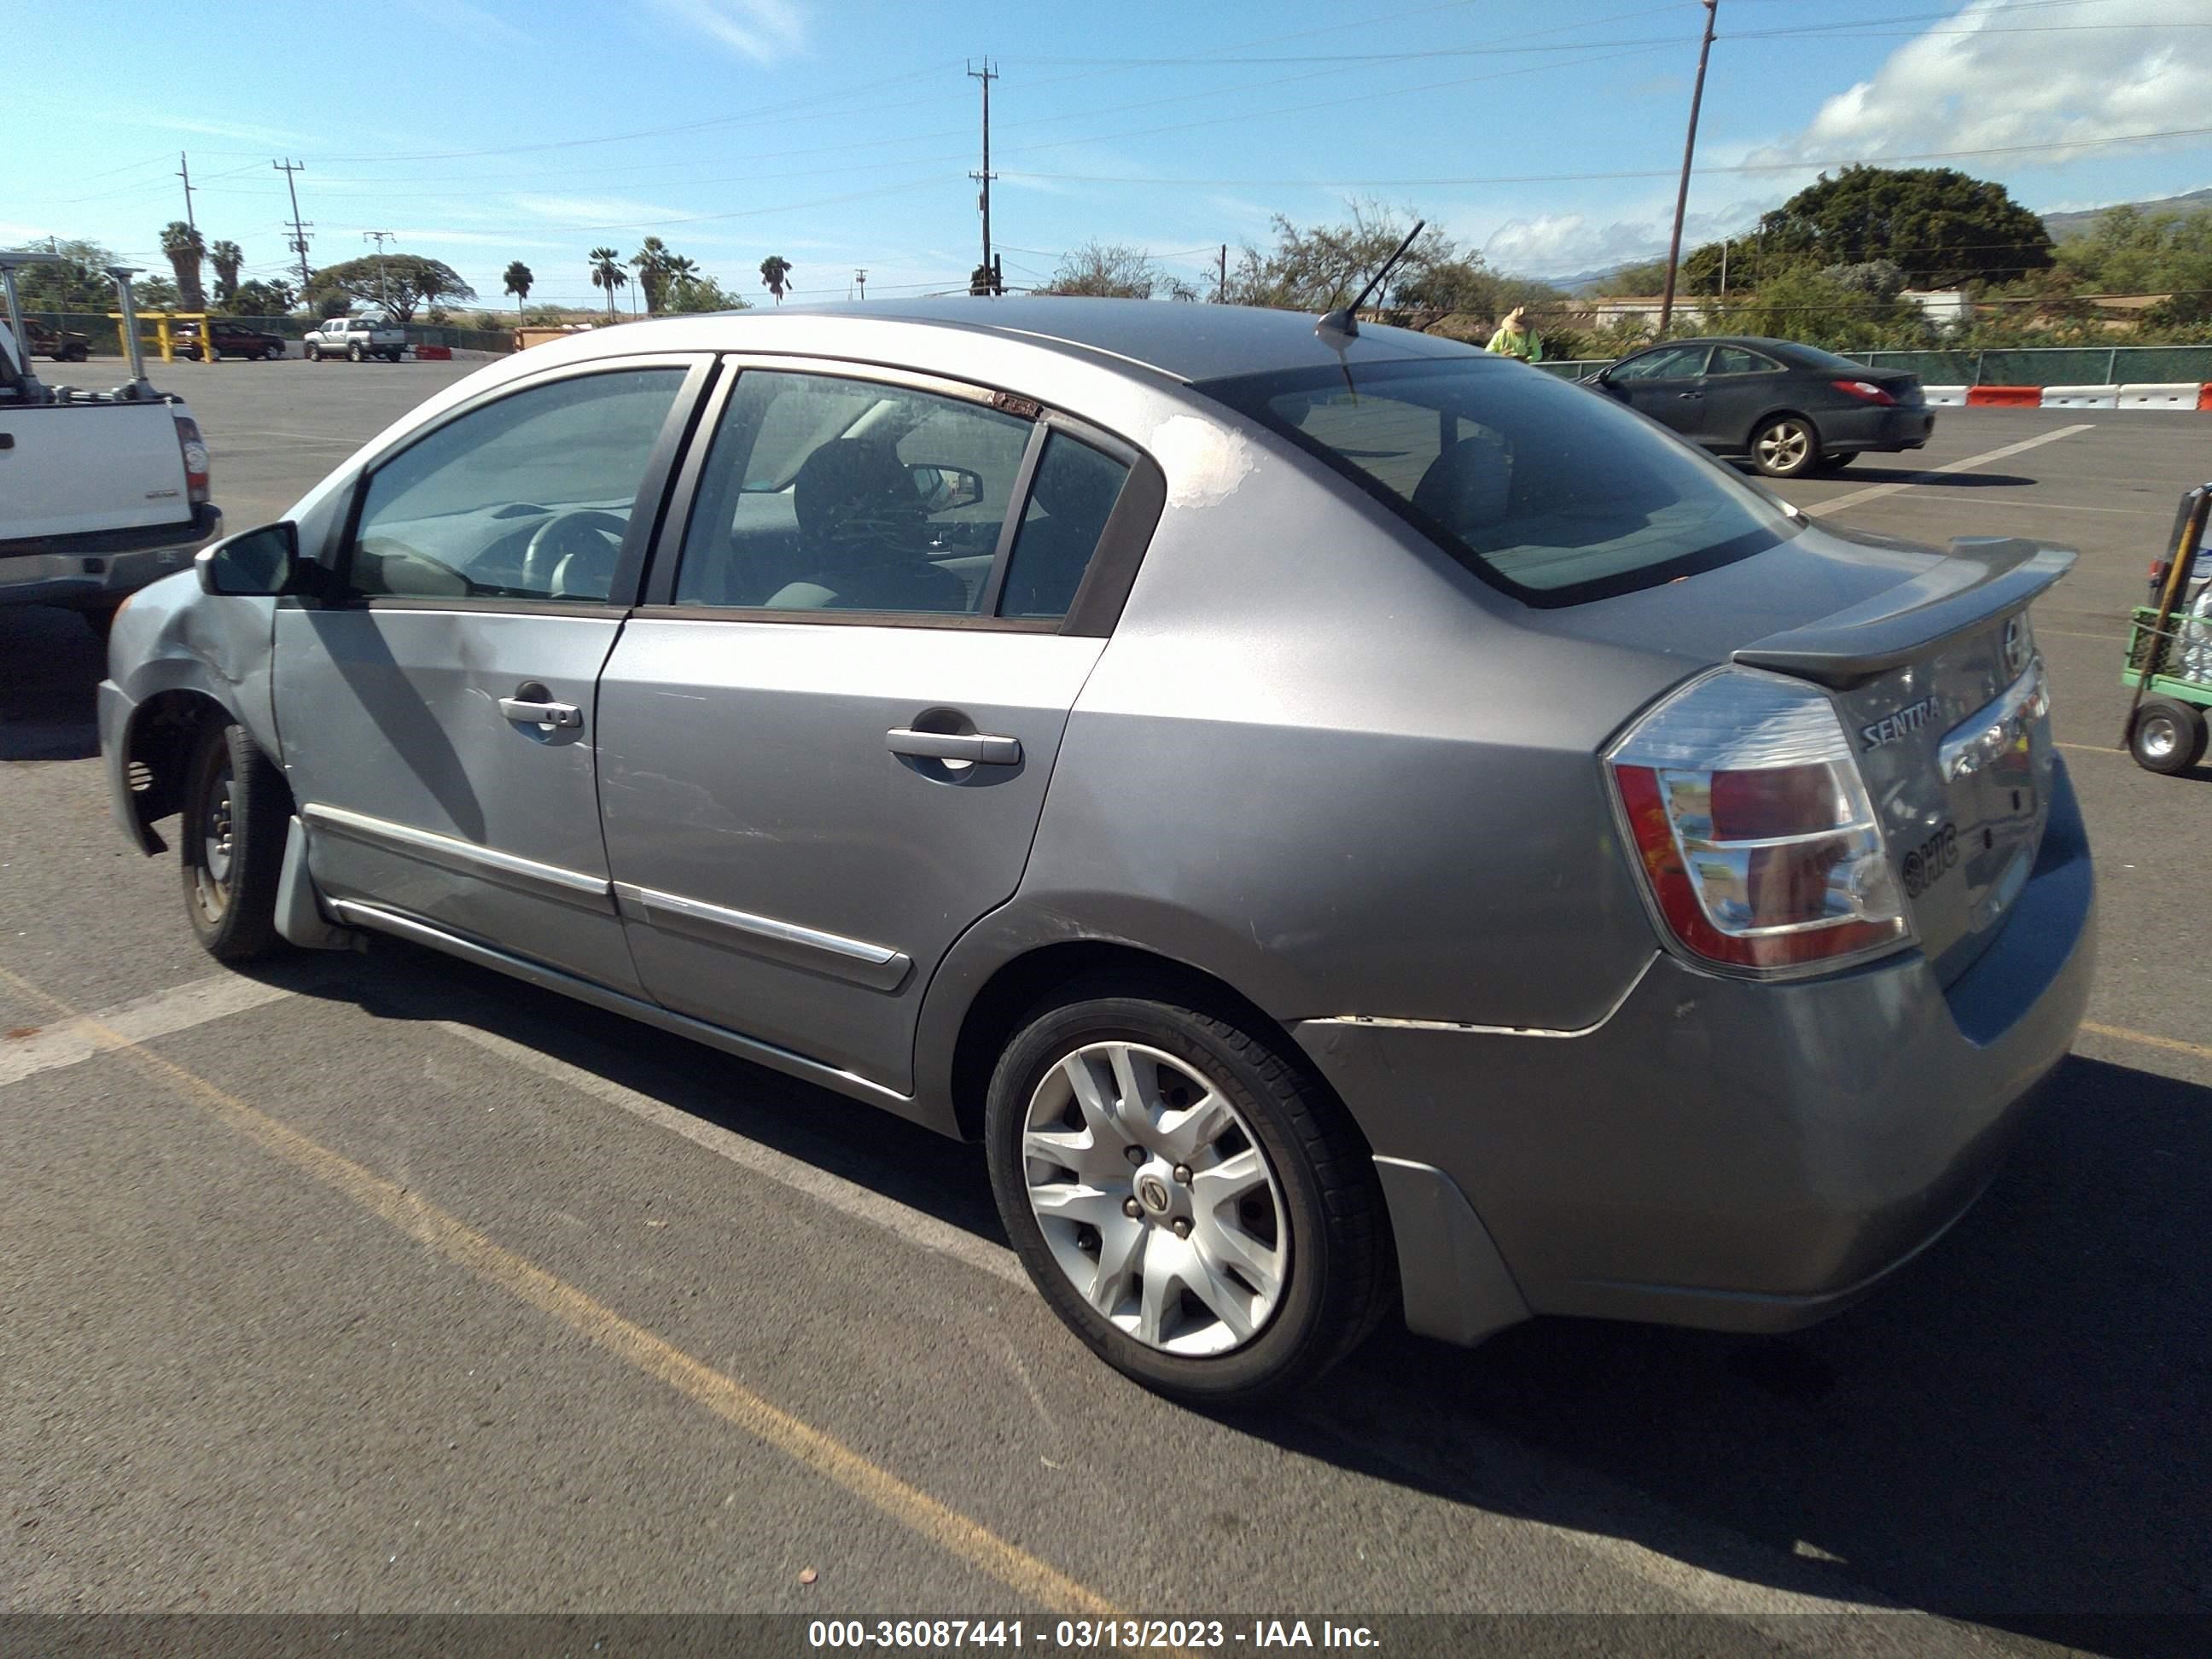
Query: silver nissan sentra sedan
{"points": [[1353, 825]]}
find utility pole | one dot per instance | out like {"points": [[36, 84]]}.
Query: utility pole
{"points": [[985, 75], [1689, 148], [860, 276], [184, 173], [383, 292], [299, 243], [1221, 295]]}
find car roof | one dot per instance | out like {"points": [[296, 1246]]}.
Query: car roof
{"points": [[1754, 342], [1189, 342]]}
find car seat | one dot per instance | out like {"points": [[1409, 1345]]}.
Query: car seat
{"points": [[861, 525]]}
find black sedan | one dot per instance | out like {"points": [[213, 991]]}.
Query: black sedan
{"points": [[1791, 408]]}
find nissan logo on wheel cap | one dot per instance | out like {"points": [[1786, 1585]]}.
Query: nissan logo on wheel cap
{"points": [[1153, 1193]]}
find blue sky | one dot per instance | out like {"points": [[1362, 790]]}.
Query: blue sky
{"points": [[839, 133]]}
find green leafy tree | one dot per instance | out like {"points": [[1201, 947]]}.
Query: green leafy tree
{"points": [[270, 297], [607, 273], [698, 292], [1942, 228], [2131, 252], [1821, 309], [518, 280], [81, 284], [1114, 271], [1645, 277], [393, 283], [157, 294], [185, 249], [225, 257], [1465, 287], [1318, 267], [775, 276]]}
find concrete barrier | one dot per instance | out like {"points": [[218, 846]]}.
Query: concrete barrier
{"points": [[1944, 397], [2080, 397], [2170, 394], [2005, 397]]}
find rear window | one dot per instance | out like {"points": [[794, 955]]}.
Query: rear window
{"points": [[1544, 489]]}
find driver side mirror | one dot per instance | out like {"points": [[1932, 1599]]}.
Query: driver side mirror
{"points": [[253, 562], [945, 488]]}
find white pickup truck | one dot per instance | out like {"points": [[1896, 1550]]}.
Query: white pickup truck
{"points": [[101, 493], [356, 337]]}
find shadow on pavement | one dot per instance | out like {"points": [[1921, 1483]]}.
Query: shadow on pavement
{"points": [[1859, 474], [50, 664], [2013, 1431]]}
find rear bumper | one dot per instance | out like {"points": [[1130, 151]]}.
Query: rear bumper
{"points": [[1877, 427], [1717, 1153], [88, 571]]}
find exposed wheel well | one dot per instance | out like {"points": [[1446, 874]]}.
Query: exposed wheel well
{"points": [[1028, 981], [164, 732]]}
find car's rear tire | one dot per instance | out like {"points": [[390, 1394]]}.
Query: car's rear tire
{"points": [[1835, 460], [2167, 737], [231, 844], [1216, 1231], [1785, 447], [272, 353], [355, 352], [75, 354]]}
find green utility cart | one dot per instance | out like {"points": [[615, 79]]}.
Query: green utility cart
{"points": [[2169, 650]]}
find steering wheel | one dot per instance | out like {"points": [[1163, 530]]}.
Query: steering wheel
{"points": [[567, 533]]}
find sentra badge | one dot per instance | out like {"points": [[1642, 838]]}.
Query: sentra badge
{"points": [[1906, 720]]}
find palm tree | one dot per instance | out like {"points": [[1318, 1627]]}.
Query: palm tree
{"points": [[184, 250], [607, 273], [227, 257], [652, 262], [678, 273], [519, 280], [775, 276]]}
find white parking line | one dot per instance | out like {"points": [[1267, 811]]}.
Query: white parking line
{"points": [[216, 997], [848, 1197], [287, 437], [1874, 492]]}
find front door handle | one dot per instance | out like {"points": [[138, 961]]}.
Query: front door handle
{"points": [[524, 713], [1689, 394], [976, 746]]}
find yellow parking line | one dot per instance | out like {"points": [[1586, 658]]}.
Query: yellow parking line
{"points": [[2172, 1045], [426, 1224]]}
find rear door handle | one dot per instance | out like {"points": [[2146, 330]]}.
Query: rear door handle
{"points": [[523, 713], [976, 746], [1689, 394]]}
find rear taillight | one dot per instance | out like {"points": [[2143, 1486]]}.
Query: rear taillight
{"points": [[1753, 827], [1865, 391], [194, 450]]}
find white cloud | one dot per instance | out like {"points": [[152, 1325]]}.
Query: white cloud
{"points": [[1562, 244], [2001, 73], [762, 30]]}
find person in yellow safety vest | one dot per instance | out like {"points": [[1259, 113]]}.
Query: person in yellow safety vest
{"points": [[1514, 338]]}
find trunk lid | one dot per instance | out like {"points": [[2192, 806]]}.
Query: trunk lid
{"points": [[1933, 667], [1943, 698]]}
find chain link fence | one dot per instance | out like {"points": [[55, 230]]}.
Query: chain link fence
{"points": [[103, 335]]}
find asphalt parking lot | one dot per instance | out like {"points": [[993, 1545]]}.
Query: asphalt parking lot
{"points": [[379, 1283]]}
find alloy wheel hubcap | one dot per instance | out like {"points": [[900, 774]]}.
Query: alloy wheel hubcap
{"points": [[1783, 446], [1155, 1198]]}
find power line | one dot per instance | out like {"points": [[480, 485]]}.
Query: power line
{"points": [[1661, 173]]}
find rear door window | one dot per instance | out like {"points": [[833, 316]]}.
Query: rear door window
{"points": [[1548, 490], [1737, 360]]}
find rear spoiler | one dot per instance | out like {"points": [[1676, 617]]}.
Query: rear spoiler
{"points": [[1985, 576]]}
